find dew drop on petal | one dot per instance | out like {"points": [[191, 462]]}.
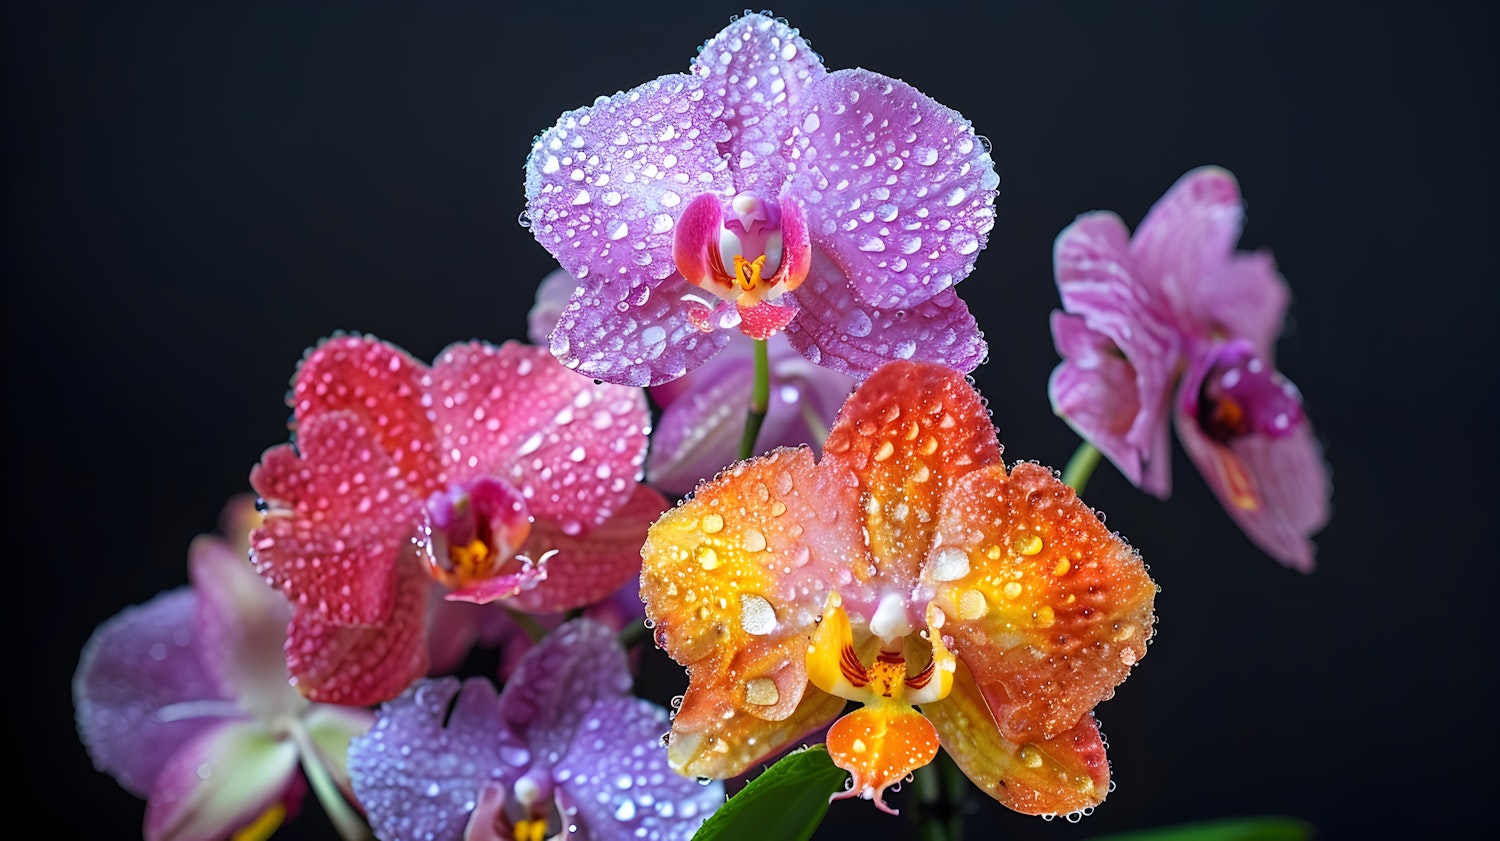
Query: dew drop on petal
{"points": [[950, 563]]}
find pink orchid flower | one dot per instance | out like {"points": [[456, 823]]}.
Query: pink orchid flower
{"points": [[1176, 306], [186, 701], [496, 472], [757, 193]]}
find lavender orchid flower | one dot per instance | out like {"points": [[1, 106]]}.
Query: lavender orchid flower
{"points": [[186, 701], [702, 417], [762, 193], [1176, 304], [565, 751]]}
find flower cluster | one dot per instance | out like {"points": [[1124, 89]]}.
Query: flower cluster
{"points": [[760, 239]]}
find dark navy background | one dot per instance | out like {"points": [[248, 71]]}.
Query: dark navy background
{"points": [[195, 192]]}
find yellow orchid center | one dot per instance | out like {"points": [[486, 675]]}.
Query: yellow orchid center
{"points": [[887, 739], [530, 830]]}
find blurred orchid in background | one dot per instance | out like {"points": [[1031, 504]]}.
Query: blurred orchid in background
{"points": [[563, 751], [497, 472], [760, 193], [185, 700], [703, 416], [904, 568], [1175, 306]]}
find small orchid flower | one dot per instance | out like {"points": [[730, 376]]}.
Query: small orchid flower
{"points": [[496, 472], [905, 570], [565, 751], [185, 700], [702, 417], [760, 192], [1176, 306]]}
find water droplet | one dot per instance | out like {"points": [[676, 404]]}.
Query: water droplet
{"points": [[756, 614], [707, 557], [1028, 544], [761, 691], [754, 540], [1062, 568], [712, 524], [972, 605], [950, 563], [1012, 589]]}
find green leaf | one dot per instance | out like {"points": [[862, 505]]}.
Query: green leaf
{"points": [[788, 800], [1230, 829]]}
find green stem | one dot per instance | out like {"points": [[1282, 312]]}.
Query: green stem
{"points": [[528, 624], [1081, 467], [632, 633], [348, 823], [760, 399]]}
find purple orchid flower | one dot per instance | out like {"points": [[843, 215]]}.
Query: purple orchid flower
{"points": [[703, 415], [186, 701], [763, 193], [564, 751], [1176, 304]]}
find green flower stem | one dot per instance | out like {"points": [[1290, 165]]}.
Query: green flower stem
{"points": [[760, 399], [528, 624], [1081, 467], [632, 633], [347, 821]]}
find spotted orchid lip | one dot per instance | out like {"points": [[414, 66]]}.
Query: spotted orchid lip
{"points": [[904, 568]]}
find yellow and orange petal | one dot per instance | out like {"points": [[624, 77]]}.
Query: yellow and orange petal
{"points": [[1056, 776], [909, 433], [1045, 605], [733, 579], [879, 745]]}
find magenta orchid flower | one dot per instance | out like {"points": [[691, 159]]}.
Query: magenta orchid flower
{"points": [[496, 472], [703, 412], [565, 751], [760, 192], [1176, 305], [186, 701]]}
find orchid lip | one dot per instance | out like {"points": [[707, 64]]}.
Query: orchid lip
{"points": [[1243, 395], [478, 529], [748, 250]]}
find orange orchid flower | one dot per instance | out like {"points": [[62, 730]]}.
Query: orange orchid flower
{"points": [[965, 607]]}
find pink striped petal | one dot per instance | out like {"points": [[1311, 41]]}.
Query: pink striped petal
{"points": [[895, 186], [759, 67], [572, 448], [1121, 351], [601, 187], [835, 330], [635, 336], [360, 665], [338, 519], [381, 384], [219, 782], [588, 567]]}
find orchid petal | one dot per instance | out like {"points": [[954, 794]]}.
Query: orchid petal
{"points": [[879, 746], [1186, 246], [612, 773], [732, 581], [895, 186], [1123, 315], [219, 782], [242, 624], [331, 728], [338, 521], [420, 768], [1046, 606], [636, 336], [558, 682], [586, 568], [699, 432], [1041, 777], [361, 665], [600, 186], [760, 68], [381, 384], [1275, 488], [908, 434], [835, 330], [515, 413], [139, 686], [552, 296]]}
